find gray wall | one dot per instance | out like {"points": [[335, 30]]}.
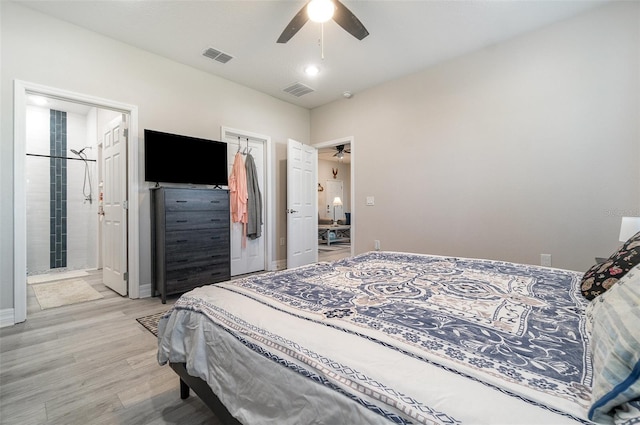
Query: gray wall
{"points": [[530, 146], [171, 97]]}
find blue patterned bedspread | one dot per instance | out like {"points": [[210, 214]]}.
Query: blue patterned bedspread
{"points": [[491, 321]]}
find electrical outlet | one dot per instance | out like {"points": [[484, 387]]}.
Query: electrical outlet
{"points": [[371, 200], [545, 260], [376, 243]]}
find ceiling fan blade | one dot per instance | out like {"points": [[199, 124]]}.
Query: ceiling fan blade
{"points": [[347, 20], [294, 26]]}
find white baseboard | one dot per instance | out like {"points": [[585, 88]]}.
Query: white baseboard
{"points": [[145, 291], [7, 317]]}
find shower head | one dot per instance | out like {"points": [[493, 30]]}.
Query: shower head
{"points": [[80, 151]]}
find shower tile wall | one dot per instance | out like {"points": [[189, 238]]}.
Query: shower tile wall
{"points": [[58, 189], [81, 216]]}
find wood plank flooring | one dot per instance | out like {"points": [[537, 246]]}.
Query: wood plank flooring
{"points": [[90, 363], [342, 251], [93, 363]]}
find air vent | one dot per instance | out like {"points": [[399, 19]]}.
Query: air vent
{"points": [[298, 89], [217, 55]]}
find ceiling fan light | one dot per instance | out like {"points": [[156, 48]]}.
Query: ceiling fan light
{"points": [[320, 10]]}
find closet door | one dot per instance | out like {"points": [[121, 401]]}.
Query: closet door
{"points": [[251, 258]]}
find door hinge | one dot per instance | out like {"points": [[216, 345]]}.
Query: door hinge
{"points": [[126, 277], [125, 133], [125, 204]]}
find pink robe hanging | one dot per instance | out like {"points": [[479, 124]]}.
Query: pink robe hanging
{"points": [[238, 193]]}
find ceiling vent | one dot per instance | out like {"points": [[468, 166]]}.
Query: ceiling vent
{"points": [[217, 55], [298, 89]]}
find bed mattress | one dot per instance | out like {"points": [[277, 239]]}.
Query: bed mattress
{"points": [[387, 337]]}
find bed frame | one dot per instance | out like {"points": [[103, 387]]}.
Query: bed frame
{"points": [[204, 392]]}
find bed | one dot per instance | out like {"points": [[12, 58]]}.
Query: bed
{"points": [[389, 337]]}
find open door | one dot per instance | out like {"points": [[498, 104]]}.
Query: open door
{"points": [[114, 205], [302, 204]]}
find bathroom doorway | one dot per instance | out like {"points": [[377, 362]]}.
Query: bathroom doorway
{"points": [[64, 190], [59, 257], [63, 174]]}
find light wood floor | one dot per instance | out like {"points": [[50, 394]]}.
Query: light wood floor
{"points": [[339, 252], [90, 363], [93, 363]]}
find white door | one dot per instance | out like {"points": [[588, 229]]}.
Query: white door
{"points": [[251, 258], [302, 204], [114, 220]]}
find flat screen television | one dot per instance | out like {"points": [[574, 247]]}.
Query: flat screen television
{"points": [[172, 158]]}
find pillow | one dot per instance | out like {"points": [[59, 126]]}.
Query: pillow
{"points": [[613, 320], [601, 277]]}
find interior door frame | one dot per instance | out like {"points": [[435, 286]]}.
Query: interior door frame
{"points": [[267, 193], [354, 217], [22, 89]]}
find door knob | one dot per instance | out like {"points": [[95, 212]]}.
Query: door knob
{"points": [[291, 211]]}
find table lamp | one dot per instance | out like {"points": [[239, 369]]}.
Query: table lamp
{"points": [[336, 202]]}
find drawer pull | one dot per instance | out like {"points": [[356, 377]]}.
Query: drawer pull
{"points": [[182, 221], [182, 202], [216, 219], [183, 279], [182, 240], [215, 202], [215, 238], [216, 256], [186, 260]]}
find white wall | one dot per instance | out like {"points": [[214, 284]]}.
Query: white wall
{"points": [[530, 146], [170, 96]]}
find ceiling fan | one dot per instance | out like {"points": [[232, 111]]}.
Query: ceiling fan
{"points": [[331, 9], [341, 151]]}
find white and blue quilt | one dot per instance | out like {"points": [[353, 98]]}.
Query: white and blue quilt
{"points": [[405, 338]]}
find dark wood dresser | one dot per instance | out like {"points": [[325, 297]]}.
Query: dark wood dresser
{"points": [[190, 238]]}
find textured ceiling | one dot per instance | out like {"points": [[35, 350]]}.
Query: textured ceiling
{"points": [[405, 36]]}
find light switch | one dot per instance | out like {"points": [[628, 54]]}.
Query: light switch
{"points": [[370, 200]]}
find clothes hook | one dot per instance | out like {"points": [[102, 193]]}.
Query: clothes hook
{"points": [[238, 144]]}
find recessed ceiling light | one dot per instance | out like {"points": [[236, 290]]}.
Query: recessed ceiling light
{"points": [[38, 100], [311, 70]]}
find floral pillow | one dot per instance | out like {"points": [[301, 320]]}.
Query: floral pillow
{"points": [[601, 277]]}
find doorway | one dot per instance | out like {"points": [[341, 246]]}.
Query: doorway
{"points": [[63, 173], [23, 93], [253, 255], [335, 199]]}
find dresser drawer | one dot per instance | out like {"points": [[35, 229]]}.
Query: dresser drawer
{"points": [[192, 220], [178, 282], [194, 240], [182, 260], [196, 200]]}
